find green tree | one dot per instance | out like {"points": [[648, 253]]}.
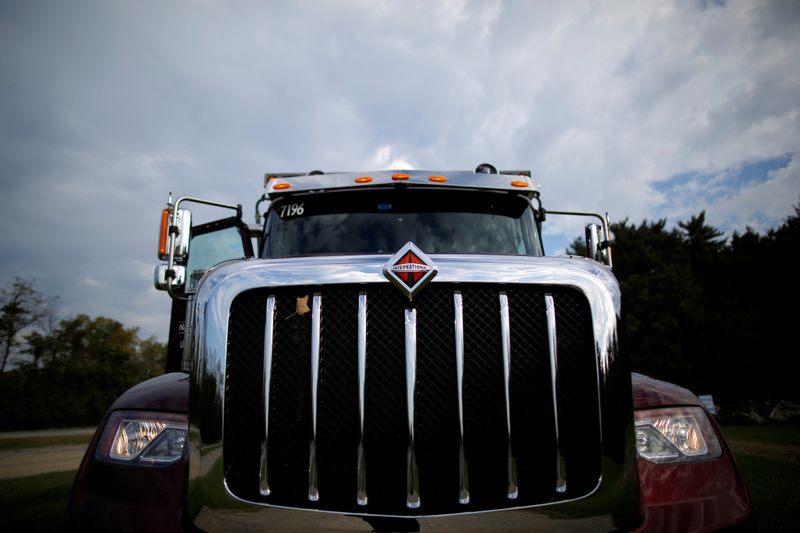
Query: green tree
{"points": [[76, 371], [704, 243], [716, 315], [149, 359], [660, 296]]}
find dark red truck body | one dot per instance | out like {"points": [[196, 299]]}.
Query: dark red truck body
{"points": [[705, 496], [497, 397]]}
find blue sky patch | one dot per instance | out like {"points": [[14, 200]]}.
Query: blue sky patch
{"points": [[719, 184]]}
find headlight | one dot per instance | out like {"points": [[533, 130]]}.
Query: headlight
{"points": [[675, 435], [143, 438]]}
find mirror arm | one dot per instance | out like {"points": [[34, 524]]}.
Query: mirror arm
{"points": [[170, 274], [606, 242], [235, 207], [169, 277], [174, 230], [258, 204]]}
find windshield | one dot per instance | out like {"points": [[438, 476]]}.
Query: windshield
{"points": [[382, 221]]}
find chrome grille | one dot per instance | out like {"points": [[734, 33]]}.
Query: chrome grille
{"points": [[519, 427]]}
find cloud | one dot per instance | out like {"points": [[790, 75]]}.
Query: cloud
{"points": [[91, 282], [383, 159], [642, 109]]}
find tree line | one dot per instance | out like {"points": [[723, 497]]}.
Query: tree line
{"points": [[713, 314], [68, 372]]}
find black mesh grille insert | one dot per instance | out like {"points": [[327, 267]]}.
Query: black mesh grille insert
{"points": [[436, 398]]}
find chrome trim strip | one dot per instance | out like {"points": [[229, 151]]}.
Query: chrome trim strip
{"points": [[463, 472], [505, 334], [361, 484], [412, 474], [316, 326], [550, 306], [263, 488]]}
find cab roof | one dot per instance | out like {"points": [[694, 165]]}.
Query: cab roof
{"points": [[280, 184]]}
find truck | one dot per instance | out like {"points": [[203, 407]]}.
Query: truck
{"points": [[394, 351]]}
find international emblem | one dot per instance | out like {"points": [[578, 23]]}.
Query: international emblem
{"points": [[410, 269]]}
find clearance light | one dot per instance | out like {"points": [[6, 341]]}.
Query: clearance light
{"points": [[519, 183], [281, 186], [162, 237], [675, 435], [401, 176], [437, 179], [143, 438], [363, 179]]}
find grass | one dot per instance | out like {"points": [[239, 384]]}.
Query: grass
{"points": [[769, 458], [20, 443], [35, 503], [763, 434]]}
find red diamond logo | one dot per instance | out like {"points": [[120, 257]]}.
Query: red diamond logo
{"points": [[409, 269]]}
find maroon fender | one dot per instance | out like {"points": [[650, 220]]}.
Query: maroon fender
{"points": [[705, 495], [121, 497]]}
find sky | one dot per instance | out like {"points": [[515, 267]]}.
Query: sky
{"points": [[644, 109]]}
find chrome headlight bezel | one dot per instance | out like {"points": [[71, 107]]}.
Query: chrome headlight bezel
{"points": [[672, 435], [143, 438]]}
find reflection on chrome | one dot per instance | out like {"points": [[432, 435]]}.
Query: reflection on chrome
{"points": [[412, 475], [316, 318], [561, 480], [463, 472], [505, 335], [361, 484], [268, 336]]}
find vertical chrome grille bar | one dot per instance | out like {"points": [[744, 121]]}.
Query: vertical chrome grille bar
{"points": [[505, 333], [412, 475], [316, 326], [463, 472], [269, 333], [361, 490], [561, 480]]}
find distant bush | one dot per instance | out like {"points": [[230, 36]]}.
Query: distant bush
{"points": [[70, 375], [715, 315]]}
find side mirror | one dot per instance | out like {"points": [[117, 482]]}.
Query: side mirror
{"points": [[183, 220], [160, 277], [597, 246], [181, 228], [177, 232]]}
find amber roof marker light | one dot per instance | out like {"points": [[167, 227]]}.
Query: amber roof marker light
{"points": [[281, 186], [401, 176], [363, 179], [437, 179], [520, 183]]}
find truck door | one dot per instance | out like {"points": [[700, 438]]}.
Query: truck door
{"points": [[190, 251]]}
